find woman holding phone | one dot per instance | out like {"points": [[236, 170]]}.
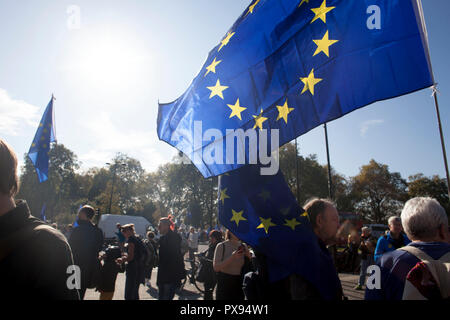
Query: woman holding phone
{"points": [[228, 262]]}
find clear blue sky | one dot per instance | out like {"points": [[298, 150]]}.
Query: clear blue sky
{"points": [[108, 75]]}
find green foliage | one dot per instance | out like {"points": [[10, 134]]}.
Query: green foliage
{"points": [[123, 187], [434, 187], [379, 192]]}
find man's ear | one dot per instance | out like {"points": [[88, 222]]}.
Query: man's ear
{"points": [[319, 220]]}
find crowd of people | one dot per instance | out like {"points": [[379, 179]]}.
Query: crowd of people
{"points": [[413, 256]]}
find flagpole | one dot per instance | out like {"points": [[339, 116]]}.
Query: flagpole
{"points": [[436, 103], [296, 168], [330, 182], [435, 91]]}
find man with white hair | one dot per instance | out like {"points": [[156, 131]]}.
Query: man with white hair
{"points": [[426, 224], [394, 239]]}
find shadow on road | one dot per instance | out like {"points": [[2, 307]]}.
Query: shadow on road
{"points": [[153, 292], [188, 295]]}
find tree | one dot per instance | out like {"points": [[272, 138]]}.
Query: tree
{"points": [[61, 189], [434, 187], [379, 192], [313, 179]]}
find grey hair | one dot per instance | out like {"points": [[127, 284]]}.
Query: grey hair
{"points": [[421, 218], [365, 229], [394, 218]]}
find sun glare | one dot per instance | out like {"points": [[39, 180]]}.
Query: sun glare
{"points": [[108, 61]]}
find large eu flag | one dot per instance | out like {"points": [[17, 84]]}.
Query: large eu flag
{"points": [[262, 211], [293, 65], [40, 148]]}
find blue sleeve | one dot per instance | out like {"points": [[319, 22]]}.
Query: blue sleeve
{"points": [[380, 249]]}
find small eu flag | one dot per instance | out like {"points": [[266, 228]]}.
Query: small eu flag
{"points": [[262, 211], [40, 148], [292, 65]]}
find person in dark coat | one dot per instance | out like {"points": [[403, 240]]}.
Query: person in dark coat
{"points": [[86, 242], [135, 267], [34, 257], [108, 275], [324, 219], [171, 265], [206, 258]]}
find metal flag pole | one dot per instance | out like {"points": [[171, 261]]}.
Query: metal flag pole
{"points": [[434, 88], [296, 168], [436, 103], [330, 182]]}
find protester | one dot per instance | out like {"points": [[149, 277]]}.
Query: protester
{"points": [[324, 219], [153, 259], [352, 251], [68, 231], [86, 242], [134, 268], [206, 260], [395, 238], [108, 275], [193, 244], [171, 265], [120, 238], [228, 263], [426, 224], [367, 248], [34, 257]]}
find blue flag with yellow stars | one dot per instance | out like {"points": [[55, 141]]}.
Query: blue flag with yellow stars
{"points": [[292, 65], [262, 211], [40, 148]]}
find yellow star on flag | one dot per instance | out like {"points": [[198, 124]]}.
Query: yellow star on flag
{"points": [[259, 120], [212, 67], [321, 12], [303, 1], [283, 111], [223, 195], [237, 216], [217, 90], [40, 125], [324, 45], [237, 109], [252, 7], [266, 224], [292, 223], [310, 82], [226, 40]]}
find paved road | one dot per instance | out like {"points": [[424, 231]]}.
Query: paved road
{"points": [[191, 293]]}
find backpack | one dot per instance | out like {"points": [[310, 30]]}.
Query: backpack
{"points": [[143, 251], [429, 279]]}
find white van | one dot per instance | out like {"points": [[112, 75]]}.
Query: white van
{"points": [[108, 224]]}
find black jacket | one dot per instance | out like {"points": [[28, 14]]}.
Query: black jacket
{"points": [[171, 264], [86, 242], [34, 265]]}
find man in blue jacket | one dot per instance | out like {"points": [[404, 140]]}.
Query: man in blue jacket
{"points": [[394, 239], [426, 224]]}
